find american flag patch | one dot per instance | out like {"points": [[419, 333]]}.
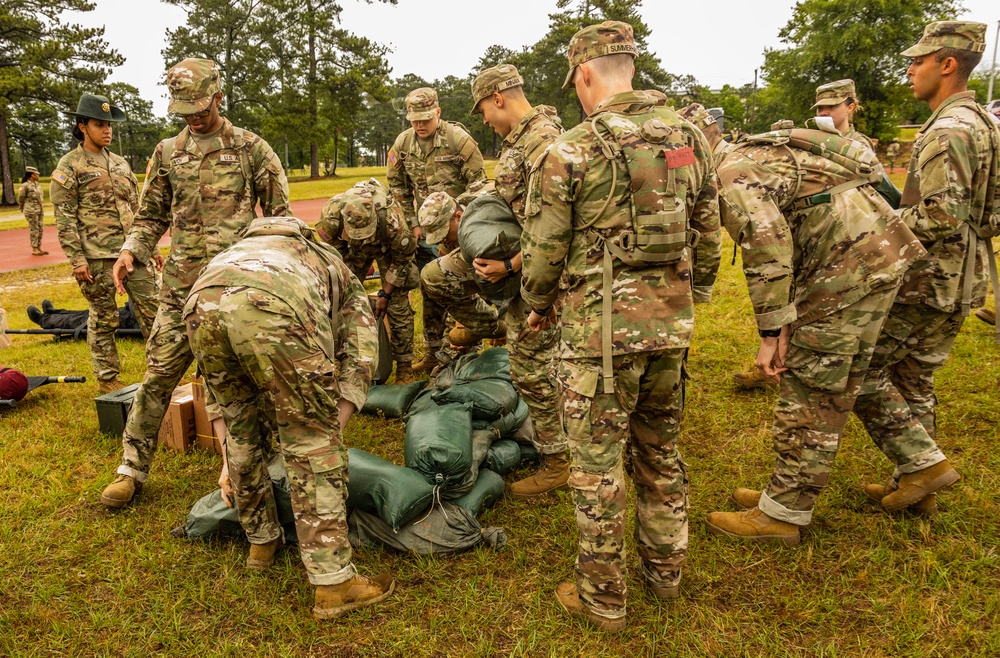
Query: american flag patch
{"points": [[392, 158], [59, 177]]}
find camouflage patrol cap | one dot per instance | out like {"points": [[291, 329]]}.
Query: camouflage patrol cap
{"points": [[593, 41], [421, 104], [961, 35], [30, 170], [435, 216], [359, 217], [698, 115], [835, 93], [494, 79], [192, 83]]}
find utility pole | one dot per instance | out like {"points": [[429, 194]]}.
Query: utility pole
{"points": [[993, 69], [753, 106]]}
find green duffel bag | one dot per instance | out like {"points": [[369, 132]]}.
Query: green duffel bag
{"points": [[488, 490], [444, 530], [493, 363], [393, 400], [438, 445], [394, 493], [503, 457], [507, 426], [489, 230], [423, 402], [489, 399]]}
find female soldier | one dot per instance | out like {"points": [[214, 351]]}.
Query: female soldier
{"points": [[95, 196], [29, 200], [838, 100]]}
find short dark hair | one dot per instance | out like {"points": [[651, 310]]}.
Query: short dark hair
{"points": [[966, 59], [77, 133]]}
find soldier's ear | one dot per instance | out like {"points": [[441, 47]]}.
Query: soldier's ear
{"points": [[948, 66], [498, 99]]}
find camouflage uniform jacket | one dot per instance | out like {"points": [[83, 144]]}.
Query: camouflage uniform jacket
{"points": [[392, 237], [720, 152], [204, 200], [29, 198], [946, 187], [653, 306], [804, 262], [95, 196], [860, 137], [521, 149], [452, 163], [280, 258]]}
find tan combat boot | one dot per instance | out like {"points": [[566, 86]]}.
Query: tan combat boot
{"points": [[110, 386], [552, 475], [754, 379], [121, 492], [569, 599], [746, 498], [262, 555], [428, 363], [663, 591], [753, 525], [334, 600], [404, 373], [926, 507], [987, 315], [914, 487], [38, 251]]}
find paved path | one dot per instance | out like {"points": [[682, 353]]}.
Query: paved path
{"points": [[15, 245]]}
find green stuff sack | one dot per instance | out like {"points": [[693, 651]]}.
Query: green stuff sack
{"points": [[392, 400], [445, 530], [493, 363], [395, 494], [489, 230], [488, 490], [423, 402], [508, 425], [503, 457], [438, 445], [529, 453], [489, 399]]}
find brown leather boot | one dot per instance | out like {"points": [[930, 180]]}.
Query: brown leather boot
{"points": [[334, 600], [569, 599], [663, 591], [753, 525], [746, 498], [987, 315], [428, 363], [262, 555], [121, 492], [461, 336], [404, 373], [38, 251], [926, 507], [754, 379], [110, 386], [914, 487], [552, 475]]}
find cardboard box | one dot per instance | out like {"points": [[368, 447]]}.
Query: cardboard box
{"points": [[205, 438], [113, 408], [177, 431]]}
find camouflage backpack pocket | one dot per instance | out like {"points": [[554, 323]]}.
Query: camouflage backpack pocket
{"points": [[821, 359]]}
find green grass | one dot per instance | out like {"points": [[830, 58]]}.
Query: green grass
{"points": [[79, 580]]}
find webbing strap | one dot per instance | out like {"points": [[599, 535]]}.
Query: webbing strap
{"points": [[607, 366], [824, 197], [972, 236]]}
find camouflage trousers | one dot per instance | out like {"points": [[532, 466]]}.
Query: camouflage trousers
{"points": [[35, 226], [449, 282], [102, 320], [533, 357], [827, 361], [897, 402], [399, 313], [243, 350], [432, 313], [634, 430]]}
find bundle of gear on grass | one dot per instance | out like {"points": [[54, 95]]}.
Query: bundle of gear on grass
{"points": [[462, 435]]}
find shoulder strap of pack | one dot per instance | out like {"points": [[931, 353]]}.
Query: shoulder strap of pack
{"points": [[167, 153], [243, 147]]}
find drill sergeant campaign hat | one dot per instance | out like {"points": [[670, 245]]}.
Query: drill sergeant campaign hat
{"points": [[494, 79], [98, 107], [31, 170], [593, 41], [360, 217], [435, 216], [421, 104], [961, 35], [835, 93], [192, 83]]}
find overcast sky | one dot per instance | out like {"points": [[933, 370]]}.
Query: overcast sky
{"points": [[726, 52]]}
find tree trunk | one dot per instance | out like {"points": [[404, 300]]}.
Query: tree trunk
{"points": [[8, 179], [336, 151], [313, 106]]}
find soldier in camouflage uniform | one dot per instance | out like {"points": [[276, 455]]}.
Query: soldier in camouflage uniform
{"points": [[366, 225], [949, 202], [29, 202], [95, 196], [709, 127], [823, 255], [892, 153], [281, 316], [527, 132], [625, 327], [839, 101], [432, 156], [202, 186]]}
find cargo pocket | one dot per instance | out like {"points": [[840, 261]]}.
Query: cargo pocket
{"points": [[821, 359], [328, 476], [317, 383], [268, 302]]}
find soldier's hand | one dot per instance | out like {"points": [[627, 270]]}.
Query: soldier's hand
{"points": [[381, 307], [226, 485], [491, 270], [418, 233], [539, 322], [158, 260], [772, 353], [82, 274], [124, 266]]}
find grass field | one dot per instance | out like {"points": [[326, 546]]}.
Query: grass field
{"points": [[80, 580]]}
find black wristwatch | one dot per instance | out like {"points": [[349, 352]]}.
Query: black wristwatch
{"points": [[769, 333], [543, 312], [506, 264], [382, 294]]}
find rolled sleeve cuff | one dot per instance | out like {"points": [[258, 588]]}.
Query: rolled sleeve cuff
{"points": [[354, 392], [777, 319], [392, 278], [138, 251], [538, 300], [701, 294], [77, 261]]}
